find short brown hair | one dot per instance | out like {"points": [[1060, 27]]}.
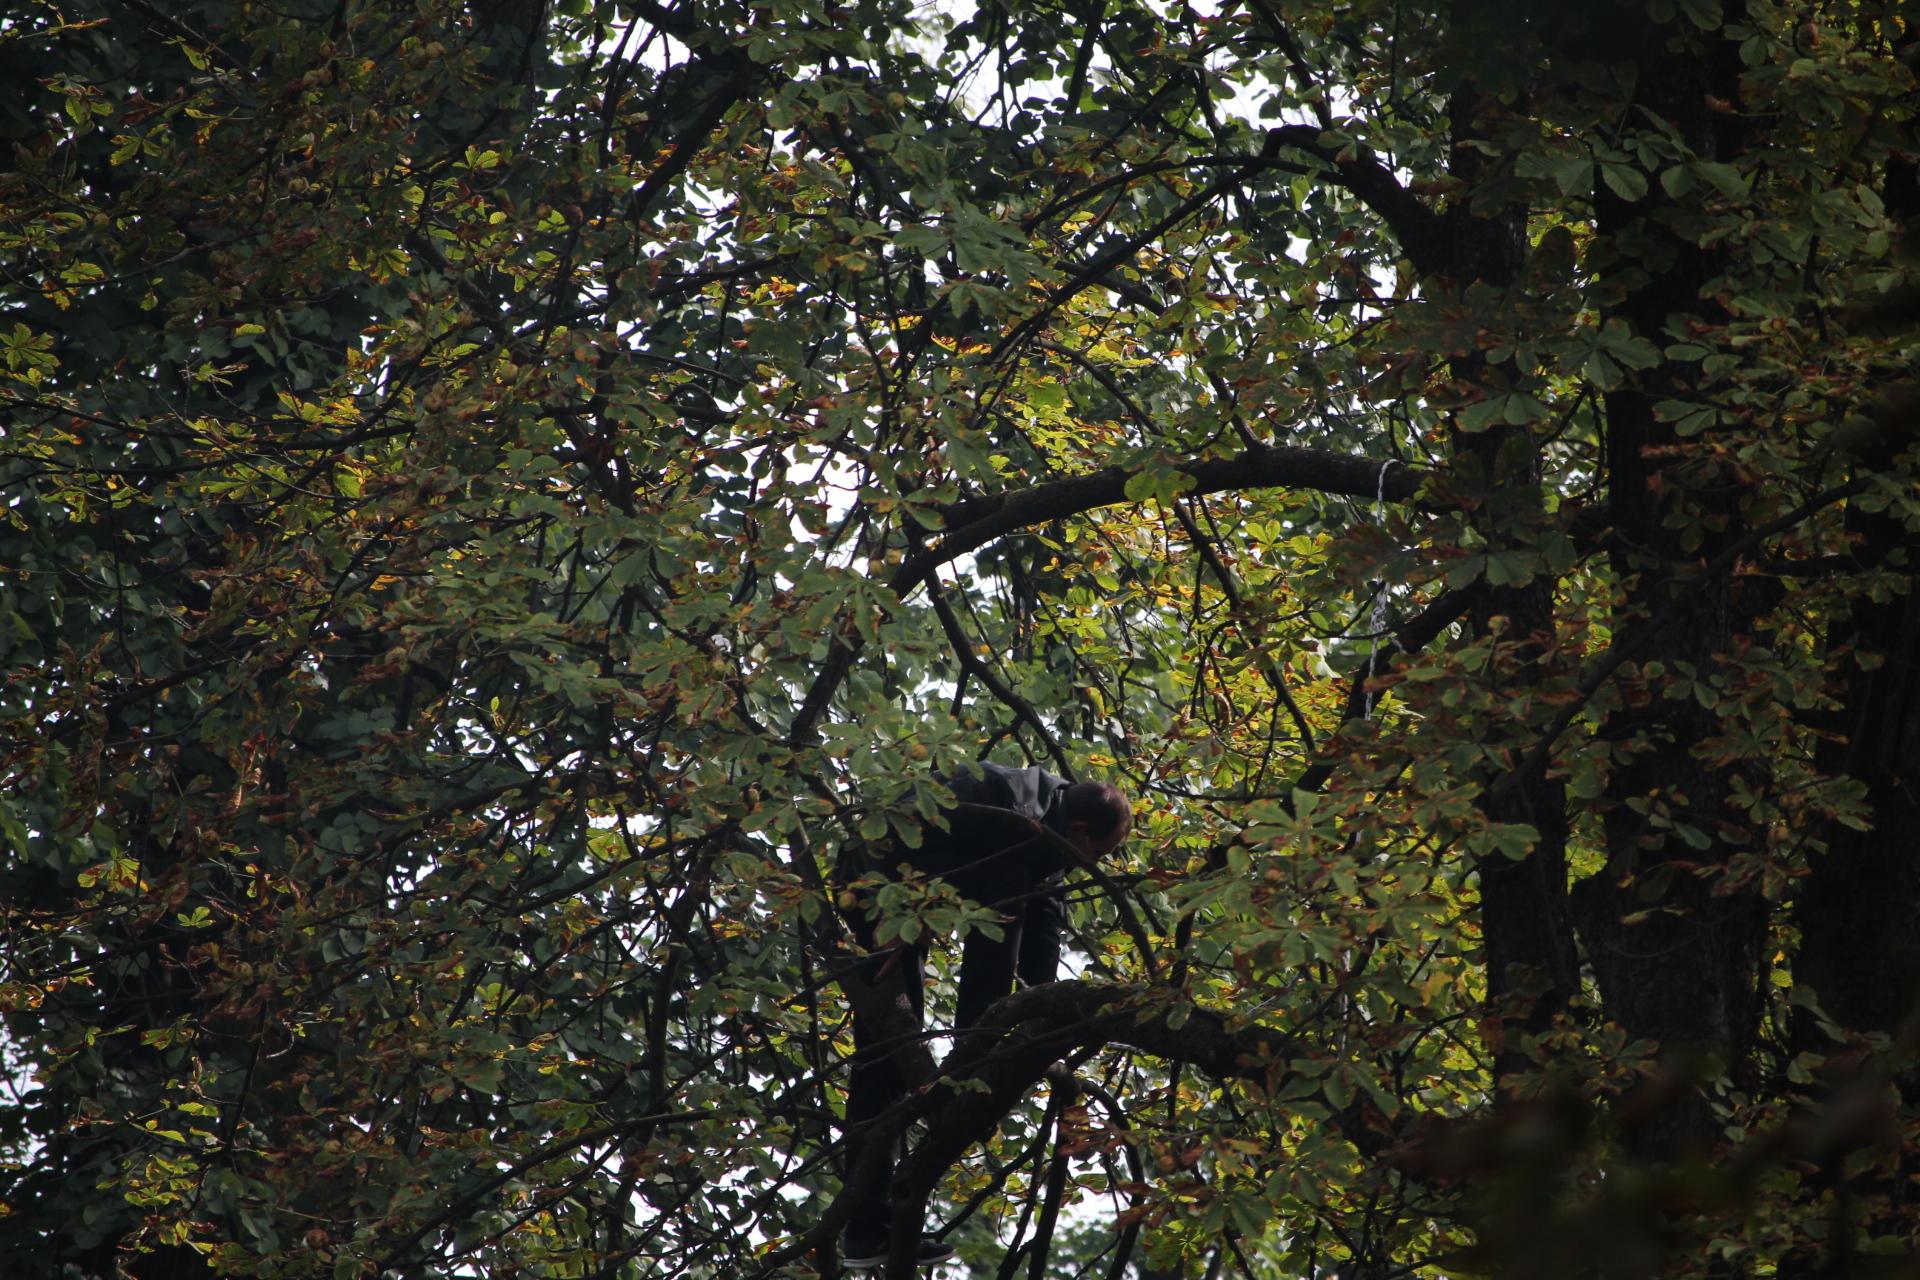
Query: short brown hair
{"points": [[1101, 805]]}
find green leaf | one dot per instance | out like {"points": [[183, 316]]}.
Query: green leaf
{"points": [[1625, 181], [1726, 178], [1158, 483], [1509, 568], [1572, 173], [1482, 414], [1520, 409]]}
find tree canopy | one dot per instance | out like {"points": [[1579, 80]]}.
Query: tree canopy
{"points": [[498, 496]]}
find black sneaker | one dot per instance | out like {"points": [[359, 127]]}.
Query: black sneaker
{"points": [[864, 1254]]}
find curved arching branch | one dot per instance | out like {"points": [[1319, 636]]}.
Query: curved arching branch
{"points": [[974, 522], [1421, 231]]}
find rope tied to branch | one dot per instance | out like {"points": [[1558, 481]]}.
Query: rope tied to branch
{"points": [[1377, 620]]}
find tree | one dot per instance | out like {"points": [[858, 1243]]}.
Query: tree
{"points": [[497, 496]]}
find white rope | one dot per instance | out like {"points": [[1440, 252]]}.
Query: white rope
{"points": [[1377, 623], [1377, 620], [1380, 486]]}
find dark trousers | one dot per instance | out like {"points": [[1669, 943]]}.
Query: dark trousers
{"points": [[1022, 886]]}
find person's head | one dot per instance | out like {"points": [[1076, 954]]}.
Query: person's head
{"points": [[1099, 816]]}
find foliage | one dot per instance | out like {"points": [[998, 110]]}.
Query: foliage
{"points": [[497, 496]]}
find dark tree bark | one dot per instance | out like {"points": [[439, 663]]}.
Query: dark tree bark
{"points": [[1859, 952], [1532, 973], [1677, 958]]}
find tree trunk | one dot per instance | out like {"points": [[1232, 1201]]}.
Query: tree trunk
{"points": [[1676, 951]]}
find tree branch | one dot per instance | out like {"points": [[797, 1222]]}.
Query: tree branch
{"points": [[1419, 229], [974, 522], [1410, 637], [970, 661], [1009, 1051], [738, 75], [1096, 270]]}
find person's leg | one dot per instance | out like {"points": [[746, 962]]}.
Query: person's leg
{"points": [[1040, 935], [986, 972], [875, 1083], [987, 964]]}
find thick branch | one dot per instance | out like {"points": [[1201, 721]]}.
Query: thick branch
{"points": [[1418, 228], [1091, 1014], [1010, 1050], [737, 75], [974, 522]]}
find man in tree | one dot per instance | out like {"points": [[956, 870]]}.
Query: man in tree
{"points": [[1007, 843]]}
